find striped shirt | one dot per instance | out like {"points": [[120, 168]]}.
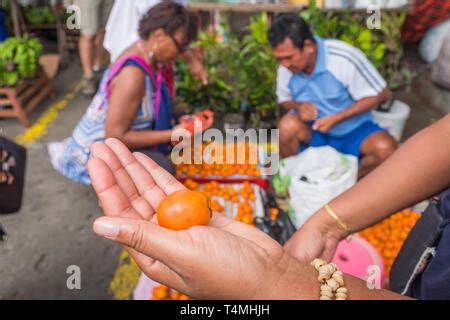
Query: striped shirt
{"points": [[70, 156]]}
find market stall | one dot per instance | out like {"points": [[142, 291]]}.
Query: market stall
{"points": [[244, 192], [231, 177]]}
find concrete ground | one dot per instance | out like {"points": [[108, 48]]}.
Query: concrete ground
{"points": [[53, 229]]}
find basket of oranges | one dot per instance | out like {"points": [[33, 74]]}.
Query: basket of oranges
{"points": [[241, 201], [227, 161]]}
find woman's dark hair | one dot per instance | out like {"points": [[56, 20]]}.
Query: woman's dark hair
{"points": [[170, 17], [290, 26]]}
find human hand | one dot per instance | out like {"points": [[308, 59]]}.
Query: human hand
{"points": [[224, 260], [180, 134], [198, 71], [317, 238], [325, 124], [307, 111]]}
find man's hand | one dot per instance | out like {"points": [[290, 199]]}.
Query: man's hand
{"points": [[224, 260], [325, 124], [308, 112]]}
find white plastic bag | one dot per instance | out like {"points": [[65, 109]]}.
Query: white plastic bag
{"points": [[440, 69], [432, 41], [317, 176]]}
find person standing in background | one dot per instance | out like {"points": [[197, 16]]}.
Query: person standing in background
{"points": [[3, 30], [94, 15], [122, 32]]}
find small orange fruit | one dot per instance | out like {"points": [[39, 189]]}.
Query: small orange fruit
{"points": [[174, 295], [184, 209], [159, 293]]}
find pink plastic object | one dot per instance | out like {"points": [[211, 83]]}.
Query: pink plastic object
{"points": [[357, 256], [143, 290]]}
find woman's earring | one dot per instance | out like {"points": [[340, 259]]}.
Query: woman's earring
{"points": [[151, 54]]}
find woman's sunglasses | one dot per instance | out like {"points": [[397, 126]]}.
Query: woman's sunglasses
{"points": [[181, 48]]}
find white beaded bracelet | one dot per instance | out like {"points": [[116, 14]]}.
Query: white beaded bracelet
{"points": [[331, 280]]}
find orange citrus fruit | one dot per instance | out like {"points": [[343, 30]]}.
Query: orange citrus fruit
{"points": [[184, 209]]}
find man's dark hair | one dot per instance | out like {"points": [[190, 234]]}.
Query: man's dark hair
{"points": [[170, 17], [292, 26]]}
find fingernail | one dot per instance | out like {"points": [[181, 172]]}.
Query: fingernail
{"points": [[107, 228]]}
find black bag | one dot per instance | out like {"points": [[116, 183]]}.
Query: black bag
{"points": [[417, 250], [12, 175], [281, 229]]}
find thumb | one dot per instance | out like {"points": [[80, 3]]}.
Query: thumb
{"points": [[316, 125], [145, 237], [205, 79]]}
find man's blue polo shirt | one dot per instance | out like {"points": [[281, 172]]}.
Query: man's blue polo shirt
{"points": [[342, 75]]}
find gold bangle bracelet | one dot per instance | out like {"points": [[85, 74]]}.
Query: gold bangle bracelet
{"points": [[338, 220]]}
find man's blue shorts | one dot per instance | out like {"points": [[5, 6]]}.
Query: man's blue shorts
{"points": [[349, 143]]}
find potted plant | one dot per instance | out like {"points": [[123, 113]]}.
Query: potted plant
{"points": [[242, 77], [258, 75], [39, 15], [19, 59], [222, 93]]}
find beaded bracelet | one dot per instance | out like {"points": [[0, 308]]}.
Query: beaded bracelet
{"points": [[331, 280]]}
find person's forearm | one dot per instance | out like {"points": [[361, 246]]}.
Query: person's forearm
{"points": [[418, 170], [364, 105], [298, 281], [143, 139]]}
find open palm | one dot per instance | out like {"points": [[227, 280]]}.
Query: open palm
{"points": [[224, 260]]}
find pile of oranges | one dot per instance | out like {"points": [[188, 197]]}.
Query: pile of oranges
{"points": [[228, 194], [247, 192], [163, 292], [231, 159], [217, 170], [243, 197], [216, 206], [388, 235], [191, 184], [245, 213]]}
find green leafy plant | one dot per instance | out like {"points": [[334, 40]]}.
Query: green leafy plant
{"points": [[19, 58], [258, 72], [355, 32], [242, 73], [391, 68], [326, 25], [220, 59], [39, 15]]}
